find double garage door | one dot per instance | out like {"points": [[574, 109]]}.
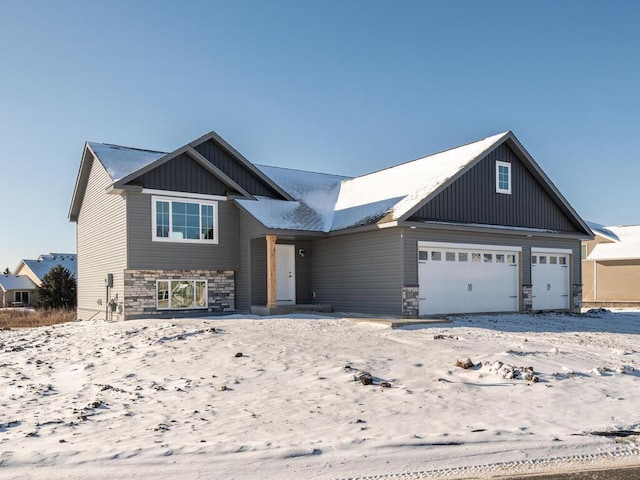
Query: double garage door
{"points": [[459, 278]]}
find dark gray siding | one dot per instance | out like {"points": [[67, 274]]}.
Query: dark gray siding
{"points": [[359, 272], [182, 174], [251, 244], [143, 253], [242, 175], [412, 236], [473, 199]]}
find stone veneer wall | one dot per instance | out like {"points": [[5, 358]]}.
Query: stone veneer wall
{"points": [[576, 298], [410, 301], [527, 298], [140, 291]]}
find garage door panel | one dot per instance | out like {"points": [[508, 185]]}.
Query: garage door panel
{"points": [[467, 280], [550, 280]]}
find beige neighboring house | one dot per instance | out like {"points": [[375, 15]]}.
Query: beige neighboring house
{"points": [[611, 266], [38, 268], [16, 291]]}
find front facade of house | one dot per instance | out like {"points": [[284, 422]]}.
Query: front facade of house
{"points": [[611, 266], [17, 291], [479, 228]]}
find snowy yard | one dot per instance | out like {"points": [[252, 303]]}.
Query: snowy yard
{"points": [[175, 399]]}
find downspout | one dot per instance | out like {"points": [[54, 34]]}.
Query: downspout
{"points": [[595, 280]]}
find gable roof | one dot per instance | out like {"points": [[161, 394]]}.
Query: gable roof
{"points": [[45, 262], [626, 247], [125, 164], [16, 282], [603, 231], [329, 203]]}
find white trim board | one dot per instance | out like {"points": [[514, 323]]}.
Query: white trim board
{"points": [[468, 246]]}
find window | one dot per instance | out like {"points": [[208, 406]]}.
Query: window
{"points": [[499, 258], [475, 257], [503, 177], [450, 256], [181, 294], [423, 255], [584, 252], [176, 220], [488, 258], [562, 260], [462, 256], [511, 259], [436, 256], [21, 297]]}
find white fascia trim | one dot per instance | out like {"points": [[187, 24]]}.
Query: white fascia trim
{"points": [[551, 250], [468, 246], [169, 193]]}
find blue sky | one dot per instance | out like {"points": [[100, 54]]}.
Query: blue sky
{"points": [[344, 87]]}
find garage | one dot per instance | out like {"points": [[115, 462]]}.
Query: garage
{"points": [[463, 278], [550, 279]]}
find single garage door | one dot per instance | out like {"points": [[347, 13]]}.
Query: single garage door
{"points": [[459, 278], [550, 279]]}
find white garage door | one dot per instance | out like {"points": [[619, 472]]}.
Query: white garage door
{"points": [[550, 279], [456, 278]]}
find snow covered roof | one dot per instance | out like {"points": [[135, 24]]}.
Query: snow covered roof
{"points": [[603, 231], [626, 248], [16, 282], [45, 262], [330, 202], [121, 161]]}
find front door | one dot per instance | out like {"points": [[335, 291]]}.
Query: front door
{"points": [[285, 274]]}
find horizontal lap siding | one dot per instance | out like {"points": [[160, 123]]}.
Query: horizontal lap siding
{"points": [[359, 272], [473, 199], [413, 236], [147, 254], [618, 280], [251, 238], [101, 240]]}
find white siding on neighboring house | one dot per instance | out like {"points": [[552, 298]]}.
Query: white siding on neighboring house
{"points": [[101, 237]]}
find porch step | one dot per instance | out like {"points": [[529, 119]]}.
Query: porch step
{"points": [[287, 309]]}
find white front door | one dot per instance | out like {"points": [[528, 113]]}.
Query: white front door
{"points": [[550, 280], [285, 274], [457, 278]]}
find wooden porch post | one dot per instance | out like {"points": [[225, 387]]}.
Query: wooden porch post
{"points": [[271, 271]]}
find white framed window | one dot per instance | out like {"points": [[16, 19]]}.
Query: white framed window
{"points": [[503, 177], [583, 252], [21, 297], [181, 294], [184, 220]]}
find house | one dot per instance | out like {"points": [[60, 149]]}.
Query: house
{"points": [[16, 291], [38, 268], [477, 228], [611, 265]]}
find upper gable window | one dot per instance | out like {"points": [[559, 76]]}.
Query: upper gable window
{"points": [[189, 221], [503, 177]]}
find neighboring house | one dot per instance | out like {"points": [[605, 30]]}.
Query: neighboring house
{"points": [[16, 291], [611, 265], [38, 268], [478, 228]]}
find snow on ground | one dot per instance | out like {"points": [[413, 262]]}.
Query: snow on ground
{"points": [[174, 399]]}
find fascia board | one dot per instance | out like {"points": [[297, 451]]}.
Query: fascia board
{"points": [[240, 158], [455, 177], [80, 185], [216, 171]]}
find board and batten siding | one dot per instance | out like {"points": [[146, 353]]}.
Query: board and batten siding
{"points": [[101, 244], [143, 253], [182, 174], [413, 236], [238, 172], [359, 272], [472, 198]]}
